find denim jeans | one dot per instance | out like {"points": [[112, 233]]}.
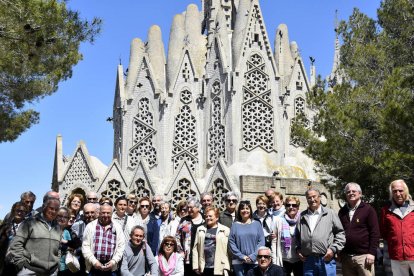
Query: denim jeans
{"points": [[316, 266], [241, 269]]}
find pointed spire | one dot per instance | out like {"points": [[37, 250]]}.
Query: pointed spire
{"points": [[119, 87], [224, 34], [197, 43], [240, 27], [156, 54], [312, 72], [283, 53], [58, 166], [135, 58], [336, 76], [175, 47]]}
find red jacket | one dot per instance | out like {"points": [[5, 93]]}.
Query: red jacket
{"points": [[398, 230]]}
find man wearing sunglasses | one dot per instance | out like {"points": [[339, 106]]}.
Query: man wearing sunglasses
{"points": [[265, 266], [228, 216]]}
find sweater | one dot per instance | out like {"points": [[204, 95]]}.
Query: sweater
{"points": [[362, 233], [272, 270], [245, 240], [133, 262], [36, 247]]}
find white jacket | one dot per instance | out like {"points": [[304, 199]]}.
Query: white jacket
{"points": [[88, 245]]}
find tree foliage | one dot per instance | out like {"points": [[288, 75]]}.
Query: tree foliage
{"points": [[364, 129], [39, 45]]}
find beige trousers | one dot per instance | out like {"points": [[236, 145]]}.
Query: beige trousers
{"points": [[355, 265]]}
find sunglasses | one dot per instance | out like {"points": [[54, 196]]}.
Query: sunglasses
{"points": [[231, 200], [267, 257], [144, 206], [92, 199], [132, 202], [169, 244], [291, 205]]}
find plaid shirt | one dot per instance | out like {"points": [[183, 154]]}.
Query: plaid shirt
{"points": [[105, 242]]}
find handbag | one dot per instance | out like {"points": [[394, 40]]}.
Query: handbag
{"points": [[72, 262]]}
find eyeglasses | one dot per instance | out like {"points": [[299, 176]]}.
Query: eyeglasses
{"points": [[169, 244], [62, 217], [291, 205], [231, 200], [144, 206], [267, 257], [29, 201], [132, 202], [92, 199], [351, 191], [184, 210]]}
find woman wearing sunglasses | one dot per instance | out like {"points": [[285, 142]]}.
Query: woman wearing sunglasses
{"points": [[170, 262], [210, 255], [283, 247], [246, 236]]}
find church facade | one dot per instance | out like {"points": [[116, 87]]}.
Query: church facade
{"points": [[212, 114]]}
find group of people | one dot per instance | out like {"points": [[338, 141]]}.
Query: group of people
{"points": [[142, 236]]}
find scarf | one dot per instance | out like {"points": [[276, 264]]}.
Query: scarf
{"points": [[286, 237], [171, 263]]}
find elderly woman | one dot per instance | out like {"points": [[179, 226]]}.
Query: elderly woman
{"points": [[170, 262], [180, 212], [186, 232], [210, 254], [75, 204], [276, 204], [262, 215], [246, 236], [283, 246], [8, 231], [120, 216], [144, 210]]}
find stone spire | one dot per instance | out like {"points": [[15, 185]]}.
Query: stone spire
{"points": [[195, 39], [175, 48], [240, 28], [283, 53], [156, 55], [337, 75], [135, 58], [225, 39]]}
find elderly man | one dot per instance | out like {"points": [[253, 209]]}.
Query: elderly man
{"points": [[206, 200], [265, 266], [90, 213], [92, 197], [159, 228], [156, 206], [362, 233], [138, 259], [103, 244], [229, 215], [319, 235], [34, 250], [397, 228]]}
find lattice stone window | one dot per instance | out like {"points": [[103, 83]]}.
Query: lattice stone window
{"points": [[300, 117], [182, 192], [143, 136], [257, 109], [141, 190], [219, 191], [78, 172], [185, 139], [216, 132], [185, 72], [113, 190]]}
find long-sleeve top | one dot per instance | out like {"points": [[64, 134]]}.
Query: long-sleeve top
{"points": [[133, 262], [362, 233], [245, 240]]}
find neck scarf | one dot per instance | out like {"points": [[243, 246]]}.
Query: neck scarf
{"points": [[286, 223], [162, 261]]}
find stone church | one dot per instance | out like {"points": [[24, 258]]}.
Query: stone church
{"points": [[212, 114]]}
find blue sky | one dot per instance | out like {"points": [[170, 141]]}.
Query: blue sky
{"points": [[78, 110]]}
